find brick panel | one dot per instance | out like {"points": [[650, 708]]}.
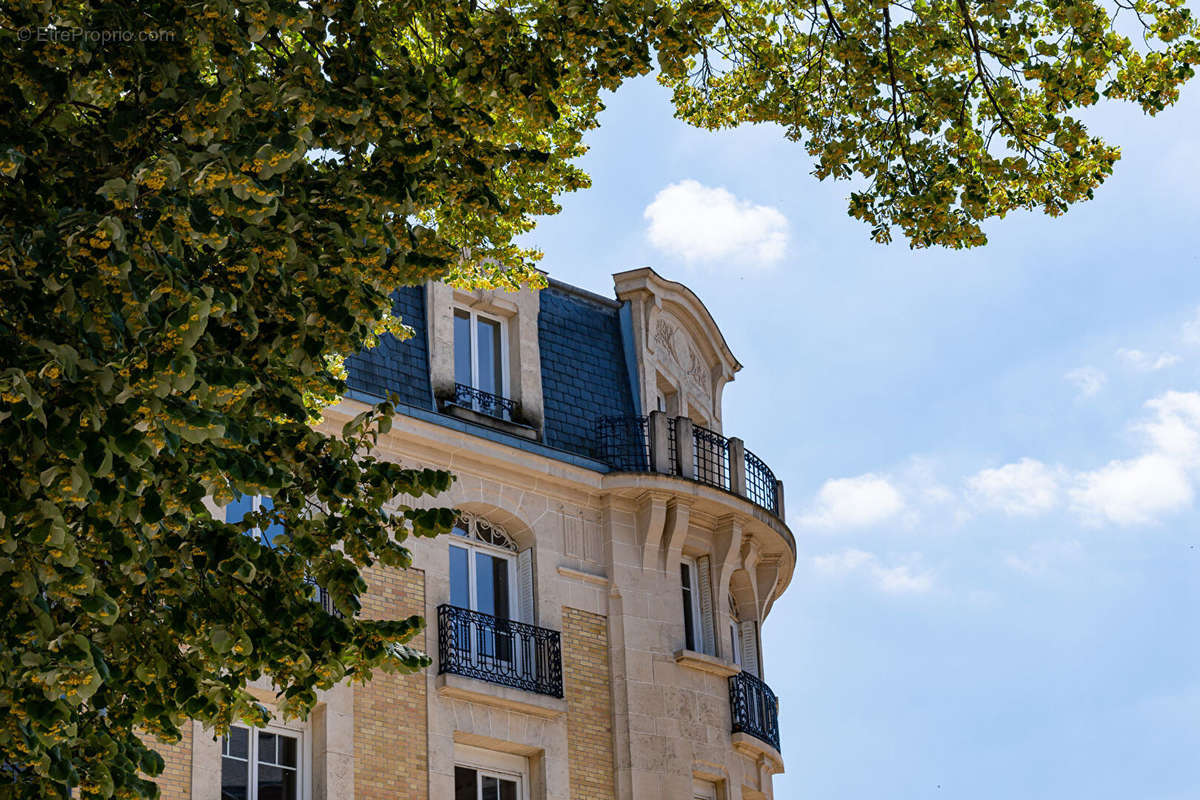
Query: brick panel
{"points": [[589, 705], [175, 782], [390, 715]]}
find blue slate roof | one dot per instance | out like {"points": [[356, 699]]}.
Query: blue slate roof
{"points": [[394, 365], [585, 367]]}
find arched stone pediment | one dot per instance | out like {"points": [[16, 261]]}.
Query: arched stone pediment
{"points": [[679, 345]]}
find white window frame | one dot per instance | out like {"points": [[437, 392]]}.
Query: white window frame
{"points": [[497, 765], [473, 546], [303, 757], [473, 316], [694, 591]]}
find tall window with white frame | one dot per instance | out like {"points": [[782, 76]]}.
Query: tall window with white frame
{"points": [[481, 362], [490, 576], [260, 764], [690, 588]]}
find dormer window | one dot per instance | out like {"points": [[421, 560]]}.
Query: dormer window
{"points": [[481, 363]]}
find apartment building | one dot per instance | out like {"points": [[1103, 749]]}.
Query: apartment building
{"points": [[595, 618]]}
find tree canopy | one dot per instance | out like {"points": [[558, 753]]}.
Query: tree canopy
{"points": [[205, 205]]}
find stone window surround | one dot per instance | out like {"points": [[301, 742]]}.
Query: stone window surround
{"points": [[508, 765], [326, 747], [519, 311]]}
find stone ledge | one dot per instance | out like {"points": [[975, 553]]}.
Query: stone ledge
{"points": [[580, 575], [706, 663], [507, 698], [756, 748], [488, 421]]}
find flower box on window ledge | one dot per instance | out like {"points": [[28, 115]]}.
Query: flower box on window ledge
{"points": [[485, 408]]}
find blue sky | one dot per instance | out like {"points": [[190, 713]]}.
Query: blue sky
{"points": [[990, 456]]}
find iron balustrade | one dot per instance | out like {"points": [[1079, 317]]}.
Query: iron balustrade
{"points": [[500, 651], [624, 444], [754, 708], [321, 595], [485, 402], [712, 457], [761, 484]]}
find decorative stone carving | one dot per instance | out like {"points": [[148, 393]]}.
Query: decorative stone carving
{"points": [[664, 335]]}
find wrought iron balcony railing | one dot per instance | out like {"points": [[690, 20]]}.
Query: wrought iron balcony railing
{"points": [[754, 708], [321, 595], [485, 402], [499, 651], [676, 446]]}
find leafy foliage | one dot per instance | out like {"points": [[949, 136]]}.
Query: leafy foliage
{"points": [[947, 112], [194, 228]]}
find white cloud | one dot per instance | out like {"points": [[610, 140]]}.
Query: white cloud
{"points": [[1145, 361], [899, 579], [1087, 380], [854, 502], [1138, 490], [700, 223], [1025, 487], [1132, 492]]}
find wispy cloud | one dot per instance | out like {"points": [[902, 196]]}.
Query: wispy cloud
{"points": [[1160, 478], [897, 579], [854, 503], [1022, 488], [1146, 362], [1088, 381], [700, 223]]}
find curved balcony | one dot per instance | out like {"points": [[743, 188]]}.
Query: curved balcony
{"points": [[754, 709], [658, 443]]}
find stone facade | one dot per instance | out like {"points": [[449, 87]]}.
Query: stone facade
{"points": [[607, 560]]}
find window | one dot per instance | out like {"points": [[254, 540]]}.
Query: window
{"points": [[260, 764], [487, 775], [691, 604], [482, 568], [703, 790], [245, 504], [480, 347]]}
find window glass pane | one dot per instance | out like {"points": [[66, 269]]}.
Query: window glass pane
{"points": [[490, 370], [491, 788], [462, 347], [237, 743], [689, 623], [460, 586], [276, 783], [274, 530], [241, 506], [235, 779], [500, 582], [485, 584], [508, 790], [465, 784], [266, 747], [287, 751]]}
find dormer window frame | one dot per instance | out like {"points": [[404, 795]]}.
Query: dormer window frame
{"points": [[473, 316]]}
